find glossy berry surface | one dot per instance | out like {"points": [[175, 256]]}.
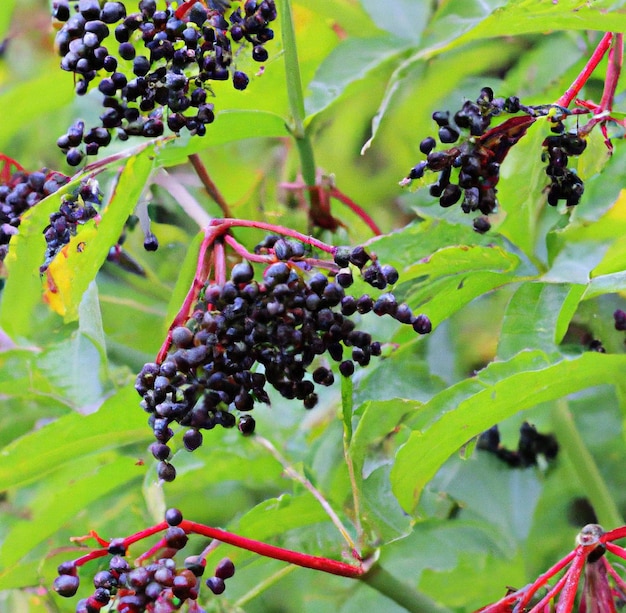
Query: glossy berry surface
{"points": [[250, 332], [155, 67]]}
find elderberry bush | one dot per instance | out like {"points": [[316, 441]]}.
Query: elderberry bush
{"points": [[247, 333], [76, 208], [469, 170], [154, 67], [23, 191]]}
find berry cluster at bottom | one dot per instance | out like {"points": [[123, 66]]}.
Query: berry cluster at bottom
{"points": [[280, 324], [159, 586]]}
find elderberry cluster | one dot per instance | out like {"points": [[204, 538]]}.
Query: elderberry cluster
{"points": [[159, 73], [23, 191], [76, 208], [247, 333], [531, 445], [565, 184], [161, 585], [475, 161]]}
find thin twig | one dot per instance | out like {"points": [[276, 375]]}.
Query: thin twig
{"points": [[296, 476], [186, 201], [209, 184]]}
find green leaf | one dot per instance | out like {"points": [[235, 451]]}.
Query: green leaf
{"points": [[350, 61], [73, 367], [537, 316], [402, 18], [62, 498], [229, 126], [119, 422], [74, 268], [606, 284], [471, 406], [27, 97], [372, 448], [278, 515], [520, 190], [441, 284], [5, 17], [459, 22]]}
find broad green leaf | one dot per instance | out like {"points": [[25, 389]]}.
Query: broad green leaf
{"points": [[520, 190], [595, 157], [441, 284], [229, 125], [606, 284], [62, 498], [73, 367], [352, 60], [457, 25], [372, 448], [576, 261], [118, 422], [402, 18], [27, 97], [278, 515], [537, 317], [440, 78], [76, 266], [90, 318], [471, 406]]}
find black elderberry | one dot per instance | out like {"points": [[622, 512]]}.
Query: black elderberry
{"points": [[192, 439], [427, 145], [620, 319], [166, 471], [240, 80], [216, 585], [117, 547], [481, 225], [390, 274], [225, 569], [66, 585], [450, 195], [246, 425], [422, 324], [175, 537], [441, 118], [346, 368]]}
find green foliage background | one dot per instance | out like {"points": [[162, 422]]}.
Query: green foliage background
{"points": [[513, 311]]}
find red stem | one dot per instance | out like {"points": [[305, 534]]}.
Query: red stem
{"points": [[613, 535], [220, 262], [334, 567], [616, 57], [568, 595], [208, 183], [353, 206], [558, 586], [543, 579], [620, 552], [578, 83], [202, 273], [225, 224], [326, 565]]}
